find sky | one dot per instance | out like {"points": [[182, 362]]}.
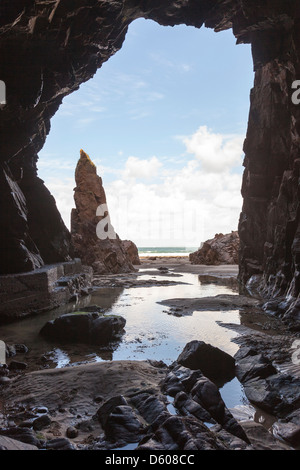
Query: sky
{"points": [[164, 121]]}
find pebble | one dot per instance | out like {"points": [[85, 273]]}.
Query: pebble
{"points": [[4, 380], [71, 432], [98, 399], [16, 365], [41, 422], [40, 410]]}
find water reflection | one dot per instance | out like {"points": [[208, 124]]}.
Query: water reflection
{"points": [[150, 331], [41, 352]]}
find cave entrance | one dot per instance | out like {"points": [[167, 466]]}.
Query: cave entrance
{"points": [[164, 121]]}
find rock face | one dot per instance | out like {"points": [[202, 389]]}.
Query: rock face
{"points": [[131, 251], [49, 48], [90, 220], [32, 233], [276, 393], [222, 249]]}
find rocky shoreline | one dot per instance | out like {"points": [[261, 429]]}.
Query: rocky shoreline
{"points": [[108, 405], [152, 405]]}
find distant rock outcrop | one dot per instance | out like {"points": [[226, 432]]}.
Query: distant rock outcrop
{"points": [[131, 251], [222, 249], [93, 237]]}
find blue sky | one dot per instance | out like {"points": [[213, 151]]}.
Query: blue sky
{"points": [[164, 121]]}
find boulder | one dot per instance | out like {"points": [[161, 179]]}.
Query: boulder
{"points": [[123, 425], [22, 434], [41, 422], [119, 420], [91, 328], [251, 367], [59, 443], [131, 251], [222, 249], [6, 443], [277, 394], [198, 396], [289, 432], [260, 438], [149, 405], [188, 406], [214, 363], [108, 406], [181, 433]]}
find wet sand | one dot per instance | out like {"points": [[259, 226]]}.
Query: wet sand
{"points": [[74, 394]]}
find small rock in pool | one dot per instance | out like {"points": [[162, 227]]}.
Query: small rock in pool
{"points": [[71, 432], [41, 422], [16, 365], [90, 328]]}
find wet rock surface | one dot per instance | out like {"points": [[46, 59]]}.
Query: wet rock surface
{"points": [[158, 407], [188, 306], [213, 362], [265, 384], [83, 327], [7, 443]]}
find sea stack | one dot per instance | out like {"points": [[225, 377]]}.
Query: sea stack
{"points": [[93, 237]]}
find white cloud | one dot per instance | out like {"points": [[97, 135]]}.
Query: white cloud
{"points": [[216, 152], [146, 169], [184, 206]]}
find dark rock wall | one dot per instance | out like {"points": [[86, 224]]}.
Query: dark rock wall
{"points": [[48, 49], [269, 223]]}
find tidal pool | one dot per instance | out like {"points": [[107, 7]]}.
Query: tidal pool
{"points": [[151, 332]]}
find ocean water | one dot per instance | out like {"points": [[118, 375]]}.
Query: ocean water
{"points": [[166, 251]]}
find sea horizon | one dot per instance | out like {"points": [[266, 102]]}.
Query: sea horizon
{"points": [[166, 251]]}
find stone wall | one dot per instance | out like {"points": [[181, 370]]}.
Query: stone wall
{"points": [[43, 289]]}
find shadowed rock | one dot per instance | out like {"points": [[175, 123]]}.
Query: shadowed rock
{"points": [[90, 328], [214, 363]]}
